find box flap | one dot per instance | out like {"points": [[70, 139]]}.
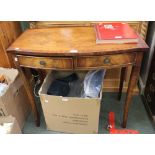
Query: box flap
{"points": [[9, 125], [7, 119], [13, 78], [9, 73]]}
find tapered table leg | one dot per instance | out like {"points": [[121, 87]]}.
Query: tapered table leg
{"points": [[132, 83], [29, 91], [122, 78]]}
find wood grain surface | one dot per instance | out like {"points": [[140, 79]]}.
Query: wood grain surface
{"points": [[45, 62], [105, 61], [68, 41]]}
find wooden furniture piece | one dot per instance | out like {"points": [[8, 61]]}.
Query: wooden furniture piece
{"points": [[9, 31], [74, 48], [112, 78], [138, 26]]}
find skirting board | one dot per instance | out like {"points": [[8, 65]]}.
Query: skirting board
{"points": [[113, 86]]}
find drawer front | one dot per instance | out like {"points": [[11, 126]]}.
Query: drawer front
{"points": [[104, 61], [45, 62]]}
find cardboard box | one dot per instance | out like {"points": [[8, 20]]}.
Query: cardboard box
{"points": [[15, 100], [69, 114], [9, 125]]}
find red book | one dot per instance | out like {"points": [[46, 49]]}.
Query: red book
{"points": [[115, 33]]}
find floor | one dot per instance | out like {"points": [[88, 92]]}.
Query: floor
{"points": [[137, 120]]}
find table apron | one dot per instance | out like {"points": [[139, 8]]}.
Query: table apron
{"points": [[78, 62]]}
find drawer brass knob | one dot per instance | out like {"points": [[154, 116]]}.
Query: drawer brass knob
{"points": [[43, 63], [106, 61]]}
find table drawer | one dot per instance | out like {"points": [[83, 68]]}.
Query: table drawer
{"points": [[104, 61], [46, 62]]}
